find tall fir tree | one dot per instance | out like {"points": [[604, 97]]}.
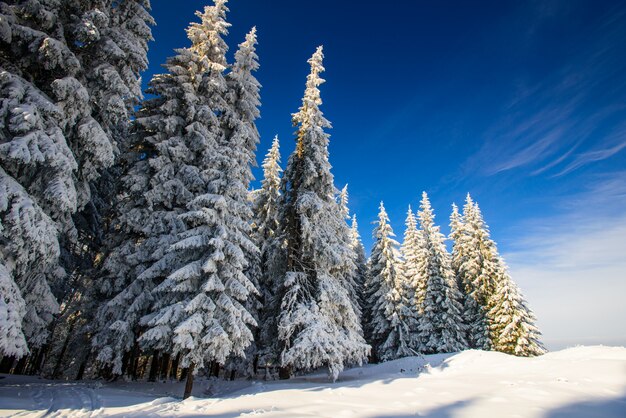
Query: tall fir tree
{"points": [[361, 267], [311, 255], [511, 324], [199, 311], [265, 204], [441, 323], [352, 282], [266, 199], [343, 202], [414, 284], [241, 142], [179, 134], [473, 314], [54, 145], [389, 323], [110, 39]]}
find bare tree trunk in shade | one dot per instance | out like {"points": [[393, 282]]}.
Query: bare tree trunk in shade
{"points": [[189, 383]]}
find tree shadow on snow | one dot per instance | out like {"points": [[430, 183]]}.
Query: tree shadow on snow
{"points": [[318, 381], [445, 411], [605, 408]]}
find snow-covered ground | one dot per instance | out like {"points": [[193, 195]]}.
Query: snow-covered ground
{"points": [[576, 382]]}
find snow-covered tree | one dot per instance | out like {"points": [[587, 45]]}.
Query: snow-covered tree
{"points": [[390, 323], [266, 199], [343, 202], [352, 282], [440, 323], [473, 314], [199, 310], [52, 146], [179, 139], [415, 285], [109, 39], [511, 324], [240, 145], [266, 209], [361, 266], [311, 254]]}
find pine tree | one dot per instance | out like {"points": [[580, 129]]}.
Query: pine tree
{"points": [[52, 148], [389, 327], [361, 267], [266, 209], [110, 41], [441, 324], [473, 314], [199, 310], [311, 255], [343, 202], [415, 285], [511, 324], [241, 143], [180, 135], [352, 282], [266, 199]]}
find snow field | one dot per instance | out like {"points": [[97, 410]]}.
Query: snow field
{"points": [[576, 382]]}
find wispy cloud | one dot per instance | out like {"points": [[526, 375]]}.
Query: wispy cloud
{"points": [[567, 120], [596, 155]]}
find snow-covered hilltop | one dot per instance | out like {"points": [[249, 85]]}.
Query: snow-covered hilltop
{"points": [[577, 382]]}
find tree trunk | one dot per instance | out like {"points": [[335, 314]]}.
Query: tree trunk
{"points": [[83, 365], [6, 364], [154, 367], [20, 366], [133, 362], [232, 375], [284, 373], [35, 367], [174, 371], [59, 363], [215, 370], [189, 383], [165, 366]]}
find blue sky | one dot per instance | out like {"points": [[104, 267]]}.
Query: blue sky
{"points": [[522, 104]]}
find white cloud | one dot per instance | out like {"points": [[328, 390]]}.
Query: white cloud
{"points": [[573, 273]]}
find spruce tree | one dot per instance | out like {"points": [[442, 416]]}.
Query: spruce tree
{"points": [[440, 324], [389, 328], [241, 142], [311, 255], [343, 202], [179, 137], [51, 148], [511, 324], [266, 199], [199, 311], [110, 41], [361, 267], [473, 314], [415, 285], [352, 282], [266, 202]]}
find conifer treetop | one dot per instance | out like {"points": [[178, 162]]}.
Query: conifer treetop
{"points": [[207, 36], [309, 115]]}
